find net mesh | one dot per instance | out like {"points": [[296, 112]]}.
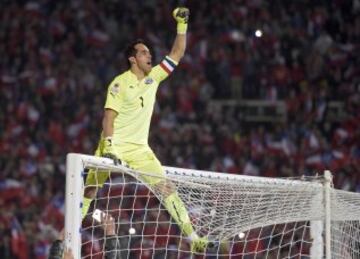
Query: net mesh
{"points": [[244, 217]]}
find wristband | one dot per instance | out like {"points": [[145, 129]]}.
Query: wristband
{"points": [[181, 28]]}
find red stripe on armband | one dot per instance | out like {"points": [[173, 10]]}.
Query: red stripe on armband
{"points": [[163, 66]]}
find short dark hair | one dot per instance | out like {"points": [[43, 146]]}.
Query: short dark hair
{"points": [[130, 50]]}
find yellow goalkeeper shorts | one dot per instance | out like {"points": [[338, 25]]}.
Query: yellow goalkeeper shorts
{"points": [[138, 157]]}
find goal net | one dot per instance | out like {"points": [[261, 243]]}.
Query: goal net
{"points": [[243, 217]]}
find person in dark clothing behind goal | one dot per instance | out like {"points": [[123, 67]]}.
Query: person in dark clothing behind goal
{"points": [[57, 247]]}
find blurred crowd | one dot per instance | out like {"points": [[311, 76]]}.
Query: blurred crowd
{"points": [[57, 58]]}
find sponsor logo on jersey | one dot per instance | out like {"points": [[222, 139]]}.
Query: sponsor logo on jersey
{"points": [[149, 81], [115, 89]]}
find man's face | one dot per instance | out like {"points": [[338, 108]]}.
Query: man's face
{"points": [[143, 58]]}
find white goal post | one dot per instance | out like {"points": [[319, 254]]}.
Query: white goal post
{"points": [[256, 217]]}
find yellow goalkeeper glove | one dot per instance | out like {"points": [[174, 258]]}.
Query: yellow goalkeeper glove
{"points": [[109, 151], [181, 15]]}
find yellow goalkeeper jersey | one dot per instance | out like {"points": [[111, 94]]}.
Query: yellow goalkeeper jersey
{"points": [[134, 101]]}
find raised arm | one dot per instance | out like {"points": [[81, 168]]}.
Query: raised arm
{"points": [[181, 15]]}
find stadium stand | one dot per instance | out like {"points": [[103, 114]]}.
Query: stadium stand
{"points": [[57, 58]]}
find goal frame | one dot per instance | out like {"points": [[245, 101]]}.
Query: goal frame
{"points": [[74, 191]]}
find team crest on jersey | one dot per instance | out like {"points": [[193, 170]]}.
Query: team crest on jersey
{"points": [[115, 89], [149, 81]]}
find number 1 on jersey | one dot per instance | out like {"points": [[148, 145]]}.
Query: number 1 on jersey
{"points": [[142, 101]]}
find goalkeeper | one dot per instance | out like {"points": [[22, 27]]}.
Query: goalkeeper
{"points": [[128, 110]]}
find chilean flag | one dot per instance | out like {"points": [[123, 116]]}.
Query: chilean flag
{"points": [[19, 246], [98, 38]]}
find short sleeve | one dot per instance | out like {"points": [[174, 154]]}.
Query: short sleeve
{"points": [[114, 96], [164, 69]]}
